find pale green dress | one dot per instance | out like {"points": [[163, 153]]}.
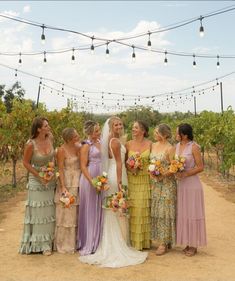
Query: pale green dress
{"points": [[163, 206], [139, 193], [39, 221]]}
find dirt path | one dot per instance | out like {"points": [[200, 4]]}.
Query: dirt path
{"points": [[214, 263]]}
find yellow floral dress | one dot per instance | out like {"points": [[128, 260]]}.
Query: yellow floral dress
{"points": [[139, 193], [163, 206]]}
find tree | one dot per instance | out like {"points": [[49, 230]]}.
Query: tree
{"points": [[15, 131], [16, 91]]}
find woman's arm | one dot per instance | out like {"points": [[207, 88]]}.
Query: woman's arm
{"points": [[28, 152], [84, 153], [116, 148], [198, 163], [60, 161]]}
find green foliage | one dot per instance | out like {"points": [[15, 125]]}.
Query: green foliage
{"points": [[15, 92], [65, 118]]}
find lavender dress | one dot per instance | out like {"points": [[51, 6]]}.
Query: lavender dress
{"points": [[191, 227], [90, 208]]}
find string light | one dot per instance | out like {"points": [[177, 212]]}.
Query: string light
{"points": [[44, 59], [165, 60], [218, 63], [149, 42], [107, 50], [43, 37], [20, 60], [194, 62], [201, 29], [133, 53], [73, 57], [92, 46]]}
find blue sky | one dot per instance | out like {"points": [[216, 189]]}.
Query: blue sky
{"points": [[147, 76]]}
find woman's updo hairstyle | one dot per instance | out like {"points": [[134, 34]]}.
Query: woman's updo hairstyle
{"points": [[89, 127], [68, 134], [144, 127], [164, 130], [186, 129]]}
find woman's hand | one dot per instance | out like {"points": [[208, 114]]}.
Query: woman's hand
{"points": [[181, 175], [44, 181]]}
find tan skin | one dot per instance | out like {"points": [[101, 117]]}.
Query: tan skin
{"points": [[116, 131], [44, 145], [184, 140], [94, 137], [68, 149], [162, 145], [138, 143]]}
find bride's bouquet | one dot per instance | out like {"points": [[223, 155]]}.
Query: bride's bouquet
{"points": [[135, 162], [118, 202], [100, 183], [67, 199], [155, 168], [177, 164]]}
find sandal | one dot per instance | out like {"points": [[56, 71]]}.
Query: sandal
{"points": [[186, 249], [161, 250], [191, 252], [46, 253]]}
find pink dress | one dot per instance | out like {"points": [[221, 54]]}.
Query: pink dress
{"points": [[191, 227]]}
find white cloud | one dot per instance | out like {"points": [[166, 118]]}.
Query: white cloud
{"points": [[8, 13], [27, 9]]}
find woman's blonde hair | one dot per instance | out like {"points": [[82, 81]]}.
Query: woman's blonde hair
{"points": [[68, 134], [164, 130], [89, 127], [112, 119]]}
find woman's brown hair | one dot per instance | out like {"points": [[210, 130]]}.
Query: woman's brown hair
{"points": [[37, 124]]}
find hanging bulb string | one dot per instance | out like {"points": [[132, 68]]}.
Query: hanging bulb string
{"points": [[60, 51], [116, 93], [147, 97], [168, 28], [171, 100]]}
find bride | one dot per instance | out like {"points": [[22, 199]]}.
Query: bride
{"points": [[113, 250]]}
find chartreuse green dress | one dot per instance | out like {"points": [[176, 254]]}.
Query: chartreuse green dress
{"points": [[39, 221], [139, 194]]}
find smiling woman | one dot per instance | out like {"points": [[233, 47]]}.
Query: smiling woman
{"points": [[139, 187], [39, 222]]}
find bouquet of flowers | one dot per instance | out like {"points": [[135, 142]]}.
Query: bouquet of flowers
{"points": [[177, 164], [118, 202], [100, 182], [135, 162], [47, 172], [155, 168], [67, 199]]}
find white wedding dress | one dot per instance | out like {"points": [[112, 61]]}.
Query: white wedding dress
{"points": [[113, 250]]}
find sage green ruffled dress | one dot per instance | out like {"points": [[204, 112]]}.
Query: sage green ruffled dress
{"points": [[39, 221]]}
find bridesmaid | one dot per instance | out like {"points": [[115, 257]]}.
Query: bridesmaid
{"points": [[39, 222], [163, 197], [191, 227], [66, 218], [139, 188], [90, 209]]}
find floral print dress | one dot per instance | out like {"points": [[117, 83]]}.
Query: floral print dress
{"points": [[163, 206]]}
